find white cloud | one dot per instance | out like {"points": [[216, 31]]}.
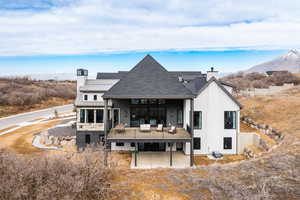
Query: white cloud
{"points": [[98, 26]]}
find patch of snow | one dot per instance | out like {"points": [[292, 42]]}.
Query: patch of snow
{"points": [[36, 143]]}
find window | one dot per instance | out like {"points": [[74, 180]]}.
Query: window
{"points": [[179, 116], [82, 116], [227, 142], [132, 144], [95, 97], [99, 116], [197, 120], [85, 97], [197, 143], [229, 119], [90, 116], [119, 144]]}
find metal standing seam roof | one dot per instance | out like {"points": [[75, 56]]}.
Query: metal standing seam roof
{"points": [[149, 79]]}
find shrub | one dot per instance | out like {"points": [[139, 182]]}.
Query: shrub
{"points": [[52, 178]]}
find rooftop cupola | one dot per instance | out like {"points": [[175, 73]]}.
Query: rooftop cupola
{"points": [[82, 75], [211, 73]]}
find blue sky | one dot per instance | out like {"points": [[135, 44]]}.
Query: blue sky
{"points": [[43, 36]]}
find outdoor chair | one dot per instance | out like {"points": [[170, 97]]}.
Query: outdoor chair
{"points": [[159, 128], [172, 130], [145, 127]]}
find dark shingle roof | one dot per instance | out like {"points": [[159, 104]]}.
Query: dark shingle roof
{"points": [[148, 79], [196, 84]]}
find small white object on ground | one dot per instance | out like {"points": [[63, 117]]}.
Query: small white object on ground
{"points": [[213, 158]]}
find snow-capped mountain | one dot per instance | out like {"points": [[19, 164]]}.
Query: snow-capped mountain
{"points": [[289, 61]]}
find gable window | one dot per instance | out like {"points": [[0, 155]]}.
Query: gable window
{"points": [[197, 119], [230, 119], [85, 97], [95, 97], [82, 115], [90, 116], [197, 143], [227, 142], [99, 116]]}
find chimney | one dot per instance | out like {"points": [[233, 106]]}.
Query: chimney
{"points": [[211, 74], [82, 75]]}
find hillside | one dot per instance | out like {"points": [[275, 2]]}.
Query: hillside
{"points": [[289, 62], [23, 94]]}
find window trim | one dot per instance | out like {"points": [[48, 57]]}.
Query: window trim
{"points": [[98, 110], [85, 97], [234, 122], [224, 143], [200, 119]]}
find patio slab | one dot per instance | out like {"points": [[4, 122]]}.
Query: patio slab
{"points": [[150, 160]]}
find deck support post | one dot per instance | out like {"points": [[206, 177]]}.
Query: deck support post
{"points": [[192, 133], [135, 155], [171, 155], [105, 132]]}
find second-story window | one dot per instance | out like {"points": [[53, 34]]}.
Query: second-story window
{"points": [[197, 120], [229, 119], [95, 97], [85, 97]]}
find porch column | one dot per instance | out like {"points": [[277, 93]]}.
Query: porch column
{"points": [[105, 132], [171, 155], [135, 155], [192, 133]]}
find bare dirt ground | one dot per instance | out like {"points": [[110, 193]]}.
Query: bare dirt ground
{"points": [[273, 175]]}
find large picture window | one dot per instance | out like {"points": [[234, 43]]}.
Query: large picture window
{"points": [[229, 119], [197, 143], [82, 116], [90, 116], [227, 143], [197, 120], [99, 116]]}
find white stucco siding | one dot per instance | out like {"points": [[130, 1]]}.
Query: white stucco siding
{"points": [[213, 101], [91, 96]]}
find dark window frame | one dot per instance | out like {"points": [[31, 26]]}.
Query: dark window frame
{"points": [[197, 146], [95, 97], [225, 145], [82, 116], [85, 97], [120, 144], [132, 144], [199, 125], [230, 119], [88, 111], [99, 116]]}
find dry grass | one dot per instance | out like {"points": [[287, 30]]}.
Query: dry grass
{"points": [[246, 128], [20, 140], [12, 110], [204, 160]]}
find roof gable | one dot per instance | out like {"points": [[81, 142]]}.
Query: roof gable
{"points": [[213, 79], [148, 79]]}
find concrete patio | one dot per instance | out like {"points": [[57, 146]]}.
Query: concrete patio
{"points": [[150, 160]]}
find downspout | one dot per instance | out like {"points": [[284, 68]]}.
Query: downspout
{"points": [[105, 132], [192, 131]]}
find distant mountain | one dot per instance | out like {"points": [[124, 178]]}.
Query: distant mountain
{"points": [[289, 62]]}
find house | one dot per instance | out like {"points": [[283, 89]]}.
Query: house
{"points": [[125, 109]]}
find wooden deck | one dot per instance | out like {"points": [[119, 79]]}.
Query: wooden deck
{"points": [[135, 134]]}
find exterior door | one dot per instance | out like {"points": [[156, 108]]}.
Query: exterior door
{"points": [[116, 116]]}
